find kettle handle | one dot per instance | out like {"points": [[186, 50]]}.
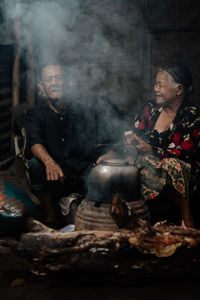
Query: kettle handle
{"points": [[99, 146]]}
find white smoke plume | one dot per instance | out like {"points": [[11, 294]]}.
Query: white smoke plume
{"points": [[98, 42]]}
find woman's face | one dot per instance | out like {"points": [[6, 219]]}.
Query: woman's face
{"points": [[164, 90]]}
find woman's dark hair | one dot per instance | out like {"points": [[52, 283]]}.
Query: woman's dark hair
{"points": [[181, 74]]}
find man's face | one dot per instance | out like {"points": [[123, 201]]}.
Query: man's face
{"points": [[52, 81]]}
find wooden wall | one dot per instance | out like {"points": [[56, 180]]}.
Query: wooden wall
{"points": [[173, 35], [6, 62]]}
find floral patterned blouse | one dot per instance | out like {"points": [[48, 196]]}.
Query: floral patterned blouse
{"points": [[181, 140]]}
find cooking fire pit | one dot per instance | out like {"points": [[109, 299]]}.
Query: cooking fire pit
{"points": [[110, 179]]}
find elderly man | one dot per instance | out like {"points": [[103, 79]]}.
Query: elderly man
{"points": [[61, 138]]}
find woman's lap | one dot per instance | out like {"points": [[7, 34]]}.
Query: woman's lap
{"points": [[156, 174]]}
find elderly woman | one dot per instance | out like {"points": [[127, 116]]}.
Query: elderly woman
{"points": [[167, 136]]}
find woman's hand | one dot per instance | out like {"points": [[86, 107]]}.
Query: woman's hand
{"points": [[131, 138], [108, 155], [131, 160], [142, 146]]}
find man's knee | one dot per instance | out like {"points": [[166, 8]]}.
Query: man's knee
{"points": [[37, 174]]}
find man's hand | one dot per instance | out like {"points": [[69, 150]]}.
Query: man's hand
{"points": [[53, 171], [42, 91]]}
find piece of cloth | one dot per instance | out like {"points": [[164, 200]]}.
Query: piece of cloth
{"points": [[176, 152], [155, 174], [15, 204], [65, 203], [68, 228]]}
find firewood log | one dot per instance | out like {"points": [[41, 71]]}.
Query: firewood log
{"points": [[161, 240]]}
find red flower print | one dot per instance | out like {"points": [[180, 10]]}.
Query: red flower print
{"points": [[164, 160], [175, 151], [141, 125], [196, 132], [146, 112], [187, 145], [176, 138]]}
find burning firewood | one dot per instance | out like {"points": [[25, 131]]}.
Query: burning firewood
{"points": [[161, 240], [122, 213], [128, 214]]}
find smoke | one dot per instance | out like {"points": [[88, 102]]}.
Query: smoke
{"points": [[99, 43]]}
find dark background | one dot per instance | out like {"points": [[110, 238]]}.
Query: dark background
{"points": [[110, 50]]}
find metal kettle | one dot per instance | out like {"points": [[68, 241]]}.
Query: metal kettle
{"points": [[113, 176], [109, 178]]}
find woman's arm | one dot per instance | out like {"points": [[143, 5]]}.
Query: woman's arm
{"points": [[133, 139]]}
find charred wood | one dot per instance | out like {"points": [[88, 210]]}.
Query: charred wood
{"points": [[146, 249]]}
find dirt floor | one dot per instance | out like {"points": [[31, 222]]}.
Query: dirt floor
{"points": [[49, 288], [19, 279], [46, 290]]}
